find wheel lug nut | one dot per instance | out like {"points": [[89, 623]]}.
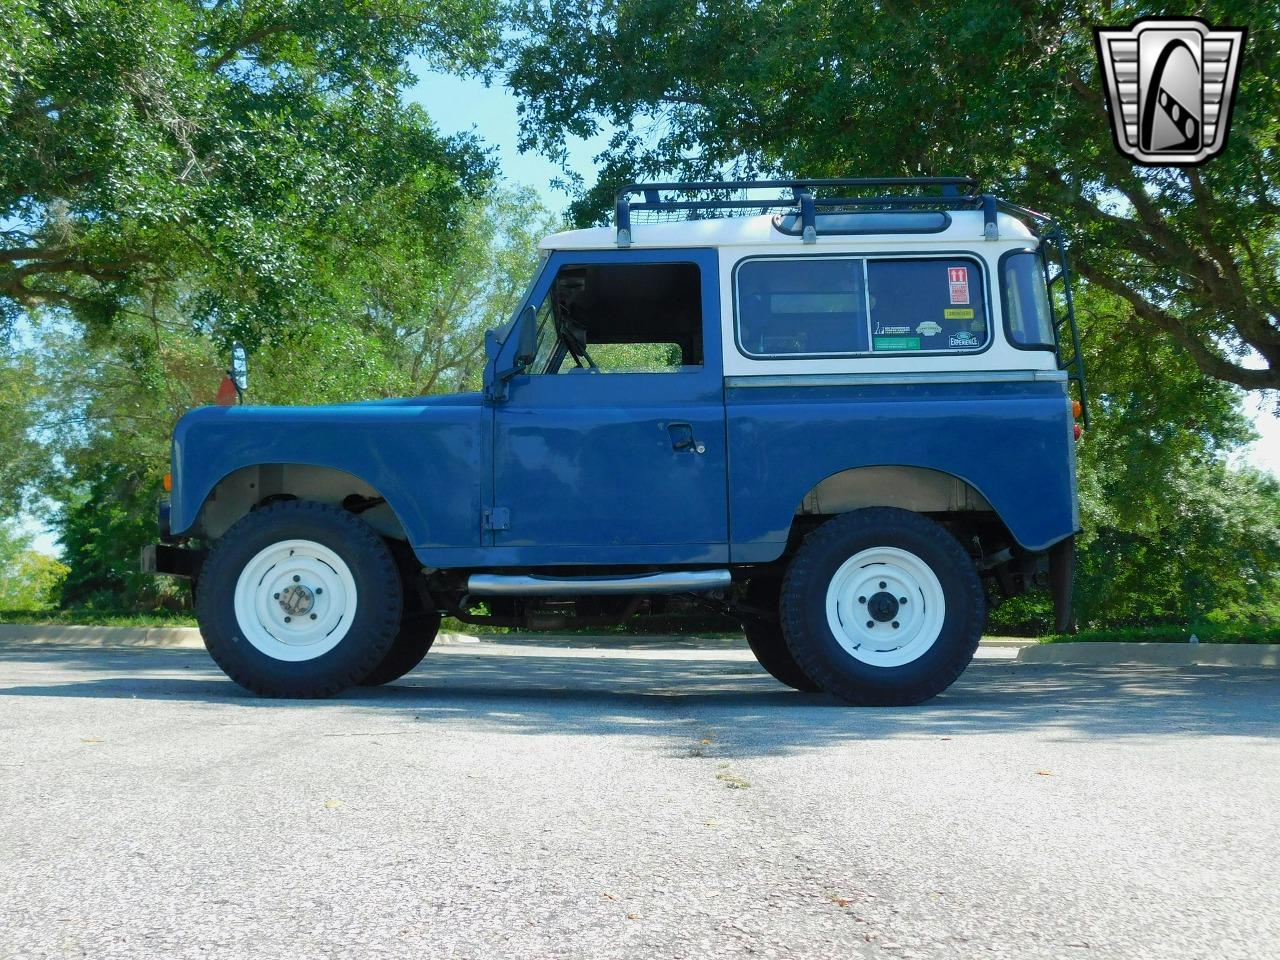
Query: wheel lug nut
{"points": [[871, 624], [288, 619], [895, 624], [319, 590], [862, 599], [882, 584], [297, 578], [277, 596], [313, 616], [902, 599]]}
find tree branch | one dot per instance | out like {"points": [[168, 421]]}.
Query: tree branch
{"points": [[1209, 360]]}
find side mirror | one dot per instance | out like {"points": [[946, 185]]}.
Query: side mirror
{"points": [[239, 367], [527, 332]]}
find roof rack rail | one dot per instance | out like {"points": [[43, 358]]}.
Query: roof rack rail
{"points": [[952, 193]]}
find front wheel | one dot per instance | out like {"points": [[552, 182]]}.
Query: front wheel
{"points": [[299, 599], [764, 635], [882, 607]]}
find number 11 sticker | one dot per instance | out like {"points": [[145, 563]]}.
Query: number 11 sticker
{"points": [[958, 281]]}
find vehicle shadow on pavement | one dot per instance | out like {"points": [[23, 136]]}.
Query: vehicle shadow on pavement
{"points": [[628, 696]]}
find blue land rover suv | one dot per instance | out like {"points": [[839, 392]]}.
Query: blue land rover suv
{"points": [[839, 411]]}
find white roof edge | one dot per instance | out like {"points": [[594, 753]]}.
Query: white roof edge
{"points": [[966, 227]]}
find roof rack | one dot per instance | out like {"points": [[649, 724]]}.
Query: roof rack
{"points": [[947, 193]]}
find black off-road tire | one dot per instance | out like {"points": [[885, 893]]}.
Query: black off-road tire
{"points": [[417, 633], [814, 646], [764, 635], [378, 594]]}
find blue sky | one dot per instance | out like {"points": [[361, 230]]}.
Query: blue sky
{"points": [[458, 104]]}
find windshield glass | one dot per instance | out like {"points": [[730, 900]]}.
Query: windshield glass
{"points": [[1026, 301], [502, 332]]}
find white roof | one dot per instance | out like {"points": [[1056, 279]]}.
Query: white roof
{"points": [[966, 227]]}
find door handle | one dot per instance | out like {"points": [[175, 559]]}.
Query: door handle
{"points": [[682, 438]]}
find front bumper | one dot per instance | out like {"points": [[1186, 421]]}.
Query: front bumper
{"points": [[172, 560], [170, 556]]}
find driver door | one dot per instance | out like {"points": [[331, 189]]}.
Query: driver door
{"points": [[611, 449]]}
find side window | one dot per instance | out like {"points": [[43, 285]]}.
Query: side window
{"points": [[926, 305], [853, 305], [796, 306], [1026, 301], [621, 318]]}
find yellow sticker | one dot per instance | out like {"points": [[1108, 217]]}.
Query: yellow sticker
{"points": [[958, 313]]}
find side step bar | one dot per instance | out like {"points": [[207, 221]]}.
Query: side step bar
{"points": [[524, 585]]}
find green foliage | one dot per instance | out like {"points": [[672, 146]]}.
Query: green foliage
{"points": [[29, 580], [87, 617], [1173, 533], [1007, 92], [20, 455], [244, 155], [102, 535]]}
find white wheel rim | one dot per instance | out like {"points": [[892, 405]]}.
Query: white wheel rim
{"points": [[899, 632], [295, 600]]}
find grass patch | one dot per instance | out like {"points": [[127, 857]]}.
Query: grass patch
{"points": [[1173, 633], [99, 618]]}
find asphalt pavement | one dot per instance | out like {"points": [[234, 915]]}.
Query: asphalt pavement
{"points": [[536, 802]]}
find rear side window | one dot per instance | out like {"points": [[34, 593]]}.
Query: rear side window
{"points": [[1026, 301], [854, 305], [926, 305]]}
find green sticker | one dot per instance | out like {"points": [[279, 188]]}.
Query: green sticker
{"points": [[958, 313], [896, 343]]}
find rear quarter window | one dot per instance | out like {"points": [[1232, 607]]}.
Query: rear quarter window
{"points": [[926, 306]]}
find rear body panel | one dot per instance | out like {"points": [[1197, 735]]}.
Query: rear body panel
{"points": [[1009, 440]]}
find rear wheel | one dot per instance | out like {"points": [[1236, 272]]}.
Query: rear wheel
{"points": [[882, 607], [299, 599], [417, 634]]}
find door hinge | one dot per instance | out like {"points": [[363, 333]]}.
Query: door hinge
{"points": [[499, 518]]}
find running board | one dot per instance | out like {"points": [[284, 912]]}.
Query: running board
{"points": [[681, 581]]}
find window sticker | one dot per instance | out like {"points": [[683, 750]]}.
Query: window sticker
{"points": [[958, 281], [964, 339], [958, 313], [929, 329], [895, 343]]}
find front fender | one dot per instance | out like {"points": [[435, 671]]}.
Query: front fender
{"points": [[424, 457]]}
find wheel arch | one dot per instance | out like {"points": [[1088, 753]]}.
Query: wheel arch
{"points": [[241, 490], [924, 490]]}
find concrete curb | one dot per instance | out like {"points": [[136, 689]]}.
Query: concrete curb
{"points": [[179, 638], [40, 633], [1156, 654]]}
